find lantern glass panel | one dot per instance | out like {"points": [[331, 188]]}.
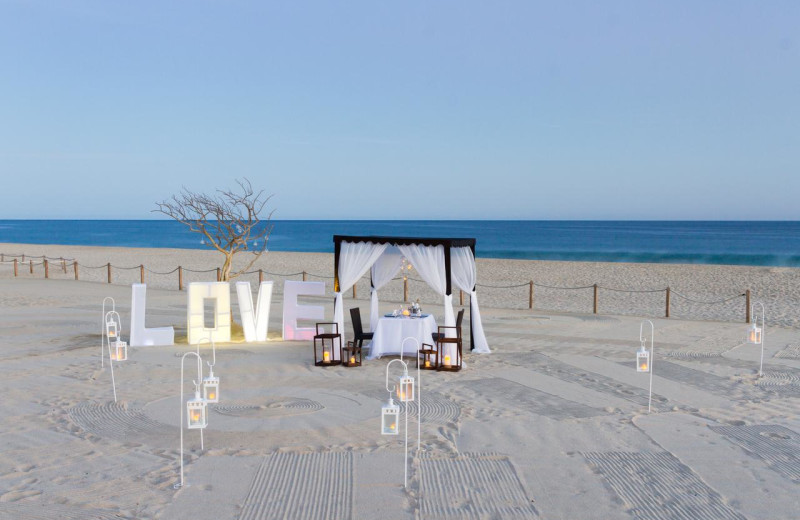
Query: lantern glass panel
{"points": [[196, 413], [405, 389], [390, 413], [211, 389], [643, 360], [754, 335], [119, 352]]}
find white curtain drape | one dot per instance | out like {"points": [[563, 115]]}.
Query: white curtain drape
{"points": [[464, 275], [355, 258], [383, 271], [429, 263]]}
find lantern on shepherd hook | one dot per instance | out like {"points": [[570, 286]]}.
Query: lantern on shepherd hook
{"points": [[643, 360], [755, 334], [390, 415]]}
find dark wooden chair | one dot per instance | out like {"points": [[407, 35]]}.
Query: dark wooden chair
{"points": [[441, 339], [360, 335], [322, 336]]}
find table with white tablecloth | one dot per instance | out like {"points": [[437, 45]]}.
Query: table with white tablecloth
{"points": [[391, 331]]}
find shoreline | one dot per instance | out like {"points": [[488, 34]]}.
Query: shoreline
{"points": [[503, 283]]}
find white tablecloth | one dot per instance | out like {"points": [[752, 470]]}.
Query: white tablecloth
{"points": [[390, 333]]}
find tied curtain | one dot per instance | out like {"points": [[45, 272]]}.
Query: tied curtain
{"points": [[355, 258], [464, 276], [429, 263], [383, 271]]}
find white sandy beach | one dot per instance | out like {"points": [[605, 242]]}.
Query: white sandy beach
{"points": [[553, 424]]}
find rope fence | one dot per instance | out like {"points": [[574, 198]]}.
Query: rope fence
{"points": [[22, 261]]}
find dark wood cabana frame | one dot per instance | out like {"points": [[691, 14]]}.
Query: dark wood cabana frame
{"points": [[447, 243]]}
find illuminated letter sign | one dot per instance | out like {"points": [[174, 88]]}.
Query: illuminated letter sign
{"points": [[141, 336], [293, 312], [255, 324], [209, 312]]}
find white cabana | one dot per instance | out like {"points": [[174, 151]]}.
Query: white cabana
{"points": [[441, 262]]}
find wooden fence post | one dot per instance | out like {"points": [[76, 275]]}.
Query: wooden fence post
{"points": [[219, 275], [530, 295], [304, 276], [108, 266], [23, 258], [666, 314], [354, 291], [405, 289], [75, 267], [2, 257], [141, 272], [594, 310], [16, 268], [63, 265], [461, 297], [747, 303], [31, 264], [180, 278], [260, 277], [46, 269]]}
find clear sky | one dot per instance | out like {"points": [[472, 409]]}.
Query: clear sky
{"points": [[432, 109]]}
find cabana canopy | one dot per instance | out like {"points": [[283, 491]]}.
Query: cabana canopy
{"points": [[441, 262]]}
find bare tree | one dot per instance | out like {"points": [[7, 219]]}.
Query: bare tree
{"points": [[230, 221]]}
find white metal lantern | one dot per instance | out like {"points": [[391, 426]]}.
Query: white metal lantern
{"points": [[112, 328], [754, 334], [405, 388], [196, 410], [642, 360], [211, 387], [390, 414], [119, 351]]}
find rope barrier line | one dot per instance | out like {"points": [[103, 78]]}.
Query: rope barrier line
{"points": [[567, 288], [708, 303], [157, 272], [632, 290], [28, 262], [502, 286]]}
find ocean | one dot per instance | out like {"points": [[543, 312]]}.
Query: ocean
{"points": [[697, 242]]}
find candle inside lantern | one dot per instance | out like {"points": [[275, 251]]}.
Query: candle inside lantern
{"points": [[352, 360], [643, 367], [212, 395], [326, 356], [393, 426], [447, 361], [195, 416], [427, 363]]}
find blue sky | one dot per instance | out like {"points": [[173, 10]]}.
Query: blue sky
{"points": [[452, 109]]}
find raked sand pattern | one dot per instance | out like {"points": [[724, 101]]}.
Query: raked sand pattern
{"points": [[656, 486], [778, 446], [302, 486], [119, 422], [472, 486], [553, 424], [272, 407]]}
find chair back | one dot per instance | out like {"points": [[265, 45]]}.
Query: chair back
{"points": [[355, 317], [459, 320]]}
